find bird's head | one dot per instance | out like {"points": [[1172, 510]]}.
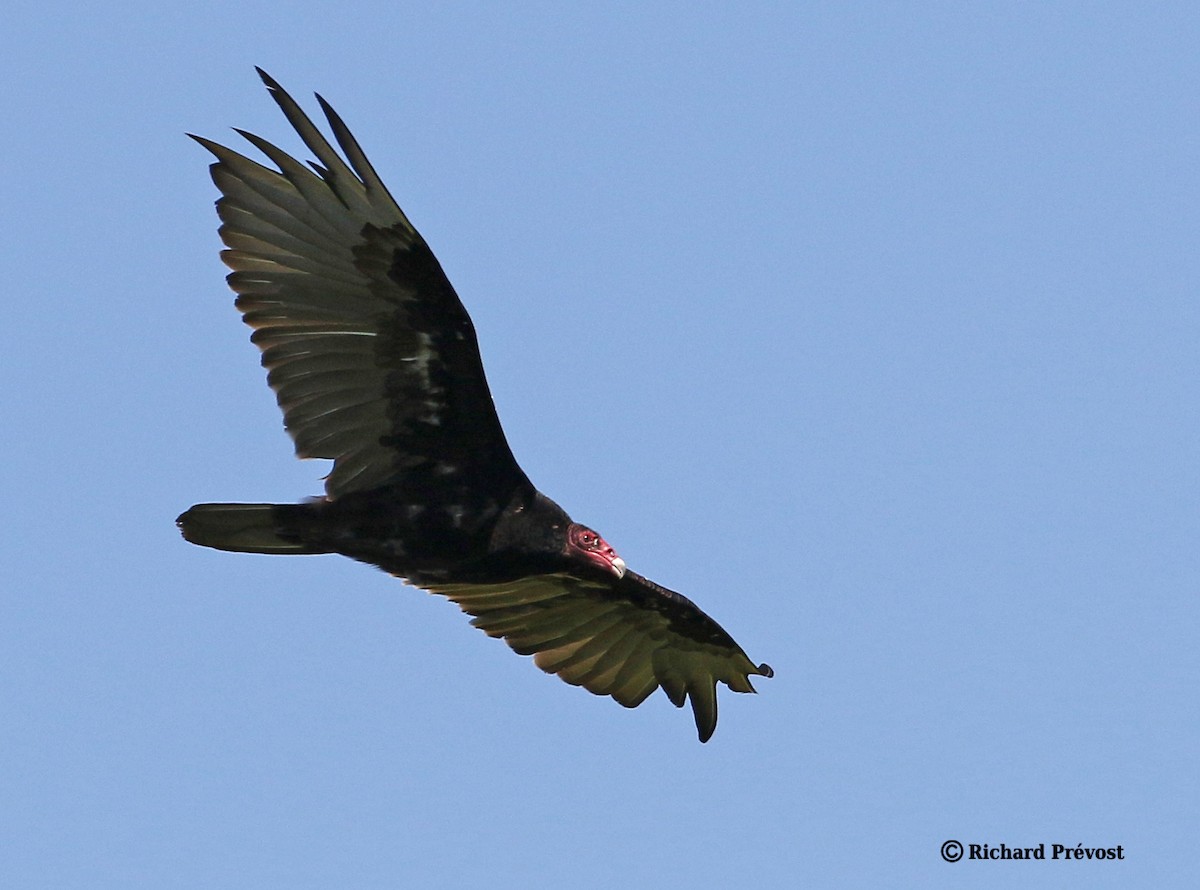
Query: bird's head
{"points": [[587, 546]]}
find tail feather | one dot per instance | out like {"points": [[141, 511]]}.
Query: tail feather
{"points": [[245, 528]]}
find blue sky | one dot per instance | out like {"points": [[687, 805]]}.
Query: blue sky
{"points": [[873, 328]]}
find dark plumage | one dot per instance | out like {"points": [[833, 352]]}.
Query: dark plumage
{"points": [[375, 364]]}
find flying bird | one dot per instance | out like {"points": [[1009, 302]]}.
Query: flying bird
{"points": [[375, 365]]}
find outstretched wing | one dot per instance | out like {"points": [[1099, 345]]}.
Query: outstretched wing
{"points": [[623, 638], [372, 356]]}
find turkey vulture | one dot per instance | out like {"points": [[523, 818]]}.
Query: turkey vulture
{"points": [[375, 365]]}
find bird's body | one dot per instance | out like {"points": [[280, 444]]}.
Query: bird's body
{"points": [[375, 365]]}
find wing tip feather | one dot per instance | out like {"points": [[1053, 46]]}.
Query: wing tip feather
{"points": [[271, 83]]}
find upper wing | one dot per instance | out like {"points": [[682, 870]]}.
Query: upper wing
{"points": [[372, 356], [623, 638]]}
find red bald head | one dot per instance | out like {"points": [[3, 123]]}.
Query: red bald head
{"points": [[587, 545]]}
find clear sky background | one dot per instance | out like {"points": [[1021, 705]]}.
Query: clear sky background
{"points": [[871, 327]]}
